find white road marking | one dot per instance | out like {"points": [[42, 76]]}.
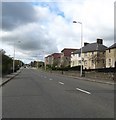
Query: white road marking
{"points": [[50, 79], [61, 83], [83, 91]]}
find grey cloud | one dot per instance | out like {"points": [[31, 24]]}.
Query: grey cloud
{"points": [[16, 13], [36, 40]]}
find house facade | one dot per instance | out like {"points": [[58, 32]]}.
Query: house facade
{"points": [[76, 58], [66, 57], [56, 58], [111, 56], [48, 60], [53, 60], [93, 55]]}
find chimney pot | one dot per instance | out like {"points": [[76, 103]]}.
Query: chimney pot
{"points": [[85, 43], [100, 41]]}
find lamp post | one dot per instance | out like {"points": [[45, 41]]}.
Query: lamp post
{"points": [[44, 59], [14, 57], [81, 44]]}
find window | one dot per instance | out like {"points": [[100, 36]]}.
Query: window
{"points": [[85, 62], [73, 62], [79, 61], [109, 62], [92, 61], [109, 50], [85, 54], [79, 55]]}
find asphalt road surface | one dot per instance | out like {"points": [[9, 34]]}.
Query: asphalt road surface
{"points": [[37, 94]]}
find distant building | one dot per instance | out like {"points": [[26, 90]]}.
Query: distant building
{"points": [[53, 60], [37, 64], [56, 58], [66, 57], [111, 56], [48, 60]]}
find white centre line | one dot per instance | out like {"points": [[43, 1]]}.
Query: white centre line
{"points": [[83, 91], [61, 83]]}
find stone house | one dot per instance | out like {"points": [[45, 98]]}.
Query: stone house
{"points": [[56, 58], [66, 57], [111, 56], [53, 60], [93, 55]]}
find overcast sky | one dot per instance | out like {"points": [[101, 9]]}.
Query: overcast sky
{"points": [[37, 29]]}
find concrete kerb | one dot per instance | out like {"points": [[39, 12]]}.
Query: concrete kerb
{"points": [[10, 78], [93, 80]]}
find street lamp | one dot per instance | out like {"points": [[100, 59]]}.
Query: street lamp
{"points": [[44, 59], [14, 56], [81, 43]]}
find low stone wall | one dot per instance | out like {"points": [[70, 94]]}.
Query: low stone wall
{"points": [[100, 75], [91, 74]]}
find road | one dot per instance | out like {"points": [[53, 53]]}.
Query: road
{"points": [[37, 94]]}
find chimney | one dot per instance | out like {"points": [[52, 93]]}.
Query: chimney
{"points": [[85, 43], [100, 41]]}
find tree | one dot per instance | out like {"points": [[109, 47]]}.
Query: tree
{"points": [[6, 64]]}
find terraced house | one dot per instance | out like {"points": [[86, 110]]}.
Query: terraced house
{"points": [[48, 60], [93, 55], [53, 60], [66, 57], [56, 57], [111, 56]]}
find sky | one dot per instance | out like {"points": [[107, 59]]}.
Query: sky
{"points": [[38, 28]]}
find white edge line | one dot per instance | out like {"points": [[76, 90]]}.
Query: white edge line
{"points": [[83, 91], [61, 83]]}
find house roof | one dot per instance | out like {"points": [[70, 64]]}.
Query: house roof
{"points": [[56, 55], [48, 56], [91, 47], [77, 51], [67, 51], [113, 46]]}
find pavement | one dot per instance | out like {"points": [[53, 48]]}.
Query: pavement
{"points": [[9, 77]]}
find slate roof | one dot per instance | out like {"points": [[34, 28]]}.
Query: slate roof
{"points": [[67, 51], [77, 51], [91, 48], [113, 46]]}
